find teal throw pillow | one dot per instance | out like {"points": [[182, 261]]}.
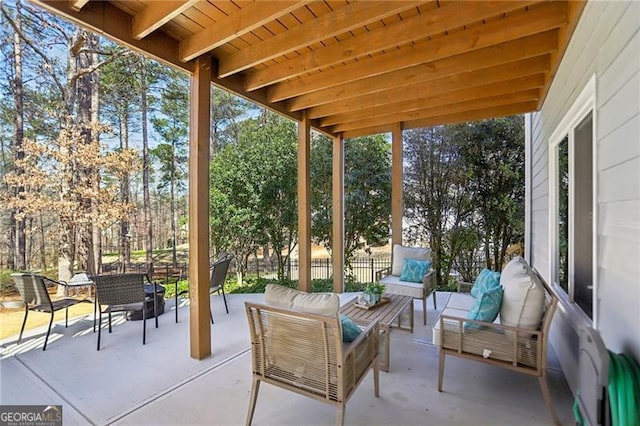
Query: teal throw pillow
{"points": [[486, 280], [414, 270], [486, 307], [350, 329]]}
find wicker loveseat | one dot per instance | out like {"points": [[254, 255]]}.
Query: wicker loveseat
{"points": [[520, 346], [391, 277], [297, 344]]}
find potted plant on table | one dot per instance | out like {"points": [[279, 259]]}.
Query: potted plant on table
{"points": [[375, 291]]}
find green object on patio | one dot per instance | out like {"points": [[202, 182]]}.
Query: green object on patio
{"points": [[350, 329], [624, 390]]}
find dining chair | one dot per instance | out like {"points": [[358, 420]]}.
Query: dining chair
{"points": [[219, 269], [121, 293], [35, 296]]}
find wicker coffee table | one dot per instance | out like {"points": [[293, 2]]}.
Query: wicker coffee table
{"points": [[387, 315]]}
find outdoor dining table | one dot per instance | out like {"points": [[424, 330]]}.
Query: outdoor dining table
{"points": [[81, 279]]}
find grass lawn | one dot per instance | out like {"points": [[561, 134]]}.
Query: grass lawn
{"points": [[11, 319]]}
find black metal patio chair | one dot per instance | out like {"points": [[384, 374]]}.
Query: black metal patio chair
{"points": [[219, 269], [122, 293], [35, 296]]}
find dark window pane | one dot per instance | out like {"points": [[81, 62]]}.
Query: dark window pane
{"points": [[583, 216], [563, 214]]}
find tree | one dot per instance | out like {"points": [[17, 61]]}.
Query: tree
{"points": [[233, 215], [254, 192], [46, 174], [146, 78], [172, 124], [122, 92], [16, 230], [227, 111], [493, 153], [367, 188], [75, 115], [437, 203]]}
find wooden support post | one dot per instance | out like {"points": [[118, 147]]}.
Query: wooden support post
{"points": [[337, 188], [304, 203], [199, 325], [397, 203]]}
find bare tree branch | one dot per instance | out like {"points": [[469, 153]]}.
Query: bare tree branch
{"points": [[35, 48]]}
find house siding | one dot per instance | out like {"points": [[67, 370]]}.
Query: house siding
{"points": [[606, 43]]}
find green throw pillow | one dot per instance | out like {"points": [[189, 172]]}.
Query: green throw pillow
{"points": [[486, 280], [486, 307], [414, 270], [350, 329]]}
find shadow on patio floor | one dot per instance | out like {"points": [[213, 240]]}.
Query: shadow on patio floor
{"points": [[158, 383]]}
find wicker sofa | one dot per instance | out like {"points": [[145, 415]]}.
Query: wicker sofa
{"points": [[390, 277], [518, 344]]}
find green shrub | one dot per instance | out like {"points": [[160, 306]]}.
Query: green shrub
{"points": [[6, 282], [254, 284]]}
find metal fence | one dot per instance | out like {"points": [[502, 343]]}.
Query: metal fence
{"points": [[362, 269]]}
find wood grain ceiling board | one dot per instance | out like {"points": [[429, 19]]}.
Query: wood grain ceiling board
{"points": [[416, 65]]}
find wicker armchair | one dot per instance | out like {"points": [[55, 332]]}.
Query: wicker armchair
{"points": [[33, 290], [122, 293], [390, 277], [304, 353]]}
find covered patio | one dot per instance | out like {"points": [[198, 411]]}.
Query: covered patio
{"points": [[158, 383], [355, 68], [343, 69]]}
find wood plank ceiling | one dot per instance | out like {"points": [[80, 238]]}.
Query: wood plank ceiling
{"points": [[354, 67]]}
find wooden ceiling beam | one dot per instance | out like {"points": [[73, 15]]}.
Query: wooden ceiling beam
{"points": [[103, 18], [483, 58], [109, 21], [481, 77], [447, 16], [574, 11], [234, 84], [382, 128], [512, 27], [78, 4], [480, 114], [456, 96], [245, 20], [460, 107], [156, 14], [340, 21]]}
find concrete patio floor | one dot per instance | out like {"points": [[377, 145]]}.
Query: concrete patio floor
{"points": [[158, 383]]}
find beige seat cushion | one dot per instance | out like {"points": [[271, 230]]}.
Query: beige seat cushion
{"points": [[400, 253], [405, 288], [462, 301], [313, 303], [458, 313]]}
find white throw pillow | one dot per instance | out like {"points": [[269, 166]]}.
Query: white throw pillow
{"points": [[523, 298], [400, 253], [515, 265], [313, 303]]}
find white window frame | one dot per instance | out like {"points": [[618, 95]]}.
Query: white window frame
{"points": [[584, 104]]}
